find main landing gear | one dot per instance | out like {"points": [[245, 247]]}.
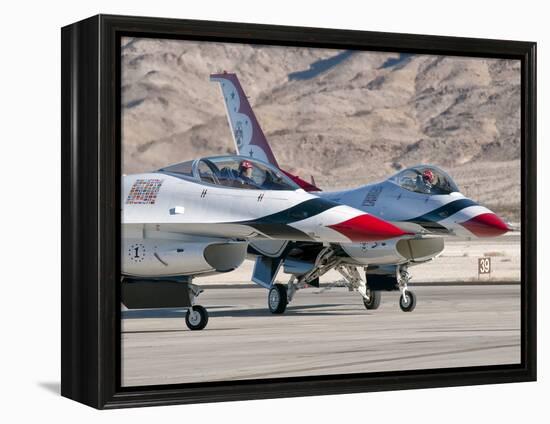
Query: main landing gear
{"points": [[196, 317], [280, 295], [277, 299], [353, 281], [372, 299], [376, 283]]}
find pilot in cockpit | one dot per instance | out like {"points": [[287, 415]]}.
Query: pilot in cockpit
{"points": [[245, 172], [425, 182]]}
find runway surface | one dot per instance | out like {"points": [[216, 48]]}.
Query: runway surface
{"points": [[322, 333]]}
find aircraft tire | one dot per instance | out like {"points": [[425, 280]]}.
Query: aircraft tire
{"points": [[196, 317], [277, 299], [374, 299], [407, 303]]}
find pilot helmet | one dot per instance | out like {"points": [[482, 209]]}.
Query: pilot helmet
{"points": [[428, 176], [246, 165]]}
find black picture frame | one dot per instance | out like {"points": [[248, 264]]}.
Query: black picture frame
{"points": [[91, 152]]}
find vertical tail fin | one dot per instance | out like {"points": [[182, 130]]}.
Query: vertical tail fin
{"points": [[248, 136]]}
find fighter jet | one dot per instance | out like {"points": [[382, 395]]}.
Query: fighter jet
{"points": [[423, 200], [197, 218]]}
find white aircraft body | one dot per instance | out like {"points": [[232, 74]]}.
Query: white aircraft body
{"points": [[422, 200], [197, 218]]}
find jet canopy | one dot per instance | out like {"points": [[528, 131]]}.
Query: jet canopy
{"points": [[427, 179], [233, 171]]}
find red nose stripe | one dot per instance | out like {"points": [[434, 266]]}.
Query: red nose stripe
{"points": [[367, 228], [486, 225]]}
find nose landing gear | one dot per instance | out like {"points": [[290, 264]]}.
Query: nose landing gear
{"points": [[196, 317], [407, 300]]}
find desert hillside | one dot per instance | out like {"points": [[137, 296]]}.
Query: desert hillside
{"points": [[345, 118]]}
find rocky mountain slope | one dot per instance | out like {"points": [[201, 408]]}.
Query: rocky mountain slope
{"points": [[346, 118]]}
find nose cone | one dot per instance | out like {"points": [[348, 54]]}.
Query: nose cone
{"points": [[366, 227], [486, 225]]}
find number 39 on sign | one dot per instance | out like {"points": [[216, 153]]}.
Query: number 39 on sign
{"points": [[484, 266]]}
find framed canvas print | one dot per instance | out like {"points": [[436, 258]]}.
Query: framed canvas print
{"points": [[253, 211]]}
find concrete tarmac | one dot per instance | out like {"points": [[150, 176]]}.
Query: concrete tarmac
{"points": [[322, 333]]}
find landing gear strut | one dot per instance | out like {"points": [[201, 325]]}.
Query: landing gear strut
{"points": [[407, 300], [354, 282], [197, 316], [396, 278], [280, 296]]}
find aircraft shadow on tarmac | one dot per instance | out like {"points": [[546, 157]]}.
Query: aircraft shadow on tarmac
{"points": [[307, 310]]}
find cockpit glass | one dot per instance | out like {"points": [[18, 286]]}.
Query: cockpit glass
{"points": [[425, 179], [236, 172], [183, 168], [247, 173]]}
